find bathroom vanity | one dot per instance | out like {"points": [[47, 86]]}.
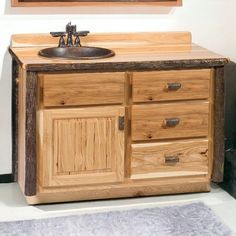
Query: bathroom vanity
{"points": [[148, 121]]}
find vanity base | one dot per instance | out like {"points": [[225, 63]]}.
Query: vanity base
{"points": [[123, 190]]}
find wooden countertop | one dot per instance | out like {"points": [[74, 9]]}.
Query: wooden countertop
{"points": [[134, 51]]}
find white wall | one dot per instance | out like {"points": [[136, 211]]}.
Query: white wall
{"points": [[212, 23]]}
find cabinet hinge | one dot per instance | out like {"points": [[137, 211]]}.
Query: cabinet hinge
{"points": [[121, 123]]}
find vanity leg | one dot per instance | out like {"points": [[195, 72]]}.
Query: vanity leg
{"points": [[30, 134], [219, 110]]}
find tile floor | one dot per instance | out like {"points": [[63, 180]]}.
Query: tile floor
{"points": [[14, 207]]}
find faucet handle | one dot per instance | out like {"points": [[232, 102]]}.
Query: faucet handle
{"points": [[61, 40], [81, 33], [58, 34]]}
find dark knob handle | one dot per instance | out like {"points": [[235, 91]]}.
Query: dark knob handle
{"points": [[58, 34], [171, 122], [173, 86], [171, 159]]}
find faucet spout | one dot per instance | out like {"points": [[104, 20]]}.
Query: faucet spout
{"points": [[70, 30]]}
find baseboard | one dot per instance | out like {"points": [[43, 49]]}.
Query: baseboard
{"points": [[6, 178]]}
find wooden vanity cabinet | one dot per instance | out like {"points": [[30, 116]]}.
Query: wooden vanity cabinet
{"points": [[101, 133], [148, 121]]}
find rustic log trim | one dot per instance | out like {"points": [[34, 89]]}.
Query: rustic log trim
{"points": [[219, 116], [127, 66], [14, 108], [30, 135]]}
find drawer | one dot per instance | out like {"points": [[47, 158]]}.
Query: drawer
{"points": [[169, 159], [171, 85], [171, 120], [82, 89]]}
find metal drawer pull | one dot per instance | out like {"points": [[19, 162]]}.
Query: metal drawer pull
{"points": [[171, 159], [173, 86], [171, 122]]}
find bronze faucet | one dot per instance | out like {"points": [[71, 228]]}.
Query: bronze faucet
{"points": [[70, 33]]}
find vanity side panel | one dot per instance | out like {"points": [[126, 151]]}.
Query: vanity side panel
{"points": [[15, 111]]}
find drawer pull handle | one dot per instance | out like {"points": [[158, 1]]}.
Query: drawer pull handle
{"points": [[173, 86], [171, 122], [171, 159]]}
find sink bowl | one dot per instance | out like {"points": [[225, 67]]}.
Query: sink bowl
{"points": [[77, 53]]}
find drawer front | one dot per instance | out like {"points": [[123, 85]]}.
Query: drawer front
{"points": [[169, 159], [172, 120], [82, 89], [171, 85]]}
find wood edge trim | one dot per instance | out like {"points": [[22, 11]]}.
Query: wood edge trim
{"points": [[14, 57]]}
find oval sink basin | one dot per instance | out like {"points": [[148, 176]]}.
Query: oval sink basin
{"points": [[79, 53]]}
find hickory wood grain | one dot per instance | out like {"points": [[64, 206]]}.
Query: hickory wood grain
{"points": [[148, 121], [150, 158], [81, 146], [68, 89], [153, 86]]}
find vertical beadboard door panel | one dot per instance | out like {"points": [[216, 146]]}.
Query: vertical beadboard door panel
{"points": [[81, 146]]}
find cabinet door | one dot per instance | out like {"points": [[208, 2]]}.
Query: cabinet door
{"points": [[80, 146]]}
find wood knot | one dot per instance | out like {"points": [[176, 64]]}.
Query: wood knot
{"points": [[139, 193], [204, 153]]}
